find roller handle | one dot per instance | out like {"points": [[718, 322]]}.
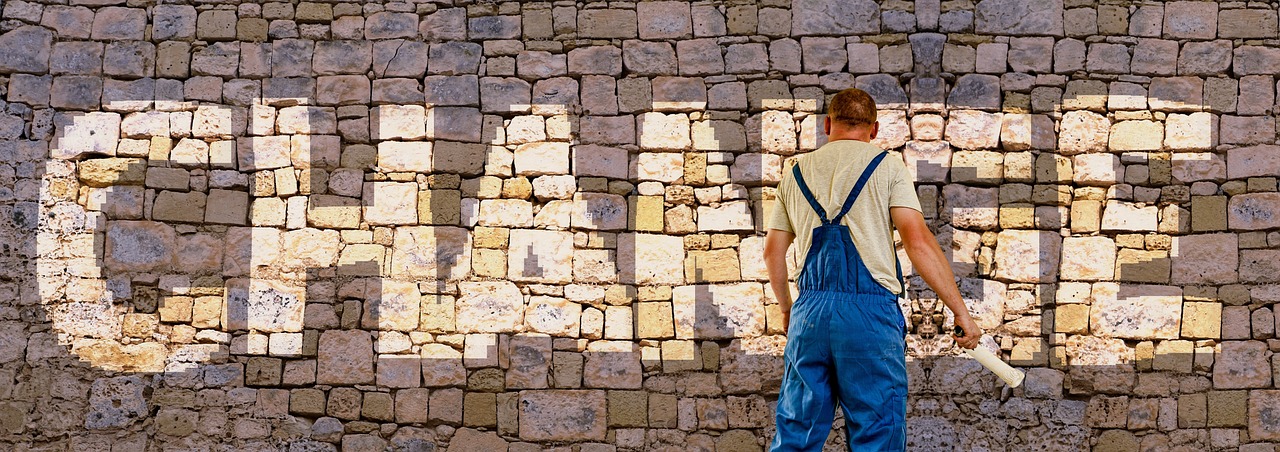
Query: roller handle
{"points": [[1012, 377]]}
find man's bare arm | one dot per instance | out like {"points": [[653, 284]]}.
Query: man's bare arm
{"points": [[932, 265], [775, 260]]}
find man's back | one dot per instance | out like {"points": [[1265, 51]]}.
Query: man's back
{"points": [[830, 173]]}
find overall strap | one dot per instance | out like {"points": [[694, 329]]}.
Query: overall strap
{"points": [[808, 195], [857, 188]]}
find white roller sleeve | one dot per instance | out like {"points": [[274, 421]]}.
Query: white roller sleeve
{"points": [[1012, 377]]}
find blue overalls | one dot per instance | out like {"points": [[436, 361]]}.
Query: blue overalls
{"points": [[845, 341]]}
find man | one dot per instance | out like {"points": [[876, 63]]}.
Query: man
{"points": [[845, 333]]}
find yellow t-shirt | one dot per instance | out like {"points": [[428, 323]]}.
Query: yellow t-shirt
{"points": [[831, 172]]}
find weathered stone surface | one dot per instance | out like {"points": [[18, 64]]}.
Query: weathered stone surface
{"points": [[87, 133], [440, 253], [442, 366], [1136, 312], [650, 259], [391, 305], [1242, 364], [26, 49], [116, 402], [612, 364], [489, 307], [139, 246], [970, 129], [563, 415], [1124, 216], [345, 358], [1263, 406], [1088, 258], [1253, 211], [1019, 17], [1028, 256], [718, 311], [544, 256], [831, 17], [1083, 131], [1205, 259]]}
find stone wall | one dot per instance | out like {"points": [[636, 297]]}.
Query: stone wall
{"points": [[535, 225]]}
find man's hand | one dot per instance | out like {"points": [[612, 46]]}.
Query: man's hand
{"points": [[971, 332]]}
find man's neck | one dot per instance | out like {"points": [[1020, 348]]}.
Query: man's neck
{"points": [[863, 137]]}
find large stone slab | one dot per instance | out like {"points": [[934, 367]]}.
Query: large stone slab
{"points": [[612, 364], [542, 256], [1205, 259], [718, 311], [1102, 365], [116, 402], [264, 305], [1264, 415], [563, 415], [88, 133], [345, 358], [1028, 256], [139, 246], [1088, 259], [25, 49], [489, 307], [650, 259], [391, 305], [1136, 312], [1019, 17], [441, 253], [834, 17], [1254, 211], [1242, 364]]}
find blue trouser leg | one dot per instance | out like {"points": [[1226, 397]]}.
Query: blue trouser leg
{"points": [[805, 402], [846, 348], [871, 370]]}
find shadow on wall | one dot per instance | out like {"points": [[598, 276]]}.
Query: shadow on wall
{"points": [[259, 307], [262, 307]]}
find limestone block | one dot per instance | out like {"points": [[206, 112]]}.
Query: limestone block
{"points": [[1253, 211], [563, 415], [1019, 17], [659, 131], [1097, 169], [390, 203], [1205, 259], [87, 133], [1136, 136], [970, 129], [1083, 131], [1246, 23], [1242, 364], [554, 316], [345, 358], [830, 17], [970, 207], [435, 252], [1191, 20], [599, 211], [544, 256], [1027, 256], [648, 259], [535, 159], [718, 311], [1136, 312], [1204, 57], [495, 306], [729, 216], [1088, 258], [412, 156], [612, 364], [391, 306], [1124, 216], [657, 166], [1193, 132], [505, 212]]}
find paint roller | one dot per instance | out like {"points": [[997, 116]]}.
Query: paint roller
{"points": [[1012, 377]]}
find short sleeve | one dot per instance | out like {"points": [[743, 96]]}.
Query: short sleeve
{"points": [[778, 217], [902, 190]]}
